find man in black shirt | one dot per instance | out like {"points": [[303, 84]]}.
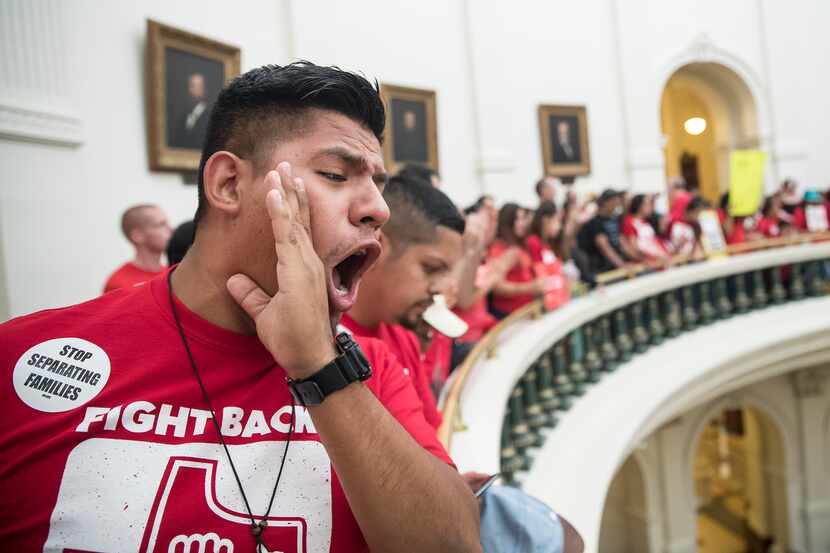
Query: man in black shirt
{"points": [[599, 238]]}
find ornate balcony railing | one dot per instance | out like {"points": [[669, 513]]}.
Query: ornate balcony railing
{"points": [[572, 348]]}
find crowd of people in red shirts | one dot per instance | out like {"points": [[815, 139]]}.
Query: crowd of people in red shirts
{"points": [[513, 255], [530, 253]]}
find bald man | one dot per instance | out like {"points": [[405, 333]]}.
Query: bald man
{"points": [[147, 229]]}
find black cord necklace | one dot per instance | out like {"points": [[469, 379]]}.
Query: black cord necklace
{"points": [[257, 529]]}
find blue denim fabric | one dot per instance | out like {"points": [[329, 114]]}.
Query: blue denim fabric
{"points": [[514, 522]]}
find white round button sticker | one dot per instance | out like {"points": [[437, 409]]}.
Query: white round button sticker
{"points": [[61, 374]]}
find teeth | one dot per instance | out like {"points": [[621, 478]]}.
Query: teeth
{"points": [[342, 289], [361, 253]]}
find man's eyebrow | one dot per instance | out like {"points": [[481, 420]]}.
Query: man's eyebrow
{"points": [[344, 154], [438, 261]]}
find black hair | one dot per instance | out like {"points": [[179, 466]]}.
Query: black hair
{"points": [[540, 185], [545, 209], [180, 241], [262, 106], [636, 203], [416, 210], [505, 227], [724, 201], [477, 205], [767, 206], [696, 203], [420, 172]]}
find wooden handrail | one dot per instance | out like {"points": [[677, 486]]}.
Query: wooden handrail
{"points": [[633, 270], [451, 411], [486, 346], [782, 241]]}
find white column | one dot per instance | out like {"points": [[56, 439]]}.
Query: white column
{"points": [[678, 515], [35, 64], [813, 398]]}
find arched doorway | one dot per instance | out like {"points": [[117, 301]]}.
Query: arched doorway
{"points": [[740, 484], [624, 527], [707, 111]]}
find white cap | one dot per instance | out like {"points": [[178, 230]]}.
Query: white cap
{"points": [[439, 317]]}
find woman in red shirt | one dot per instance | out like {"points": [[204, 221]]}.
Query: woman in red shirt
{"points": [[545, 229], [640, 237], [520, 286], [769, 225]]}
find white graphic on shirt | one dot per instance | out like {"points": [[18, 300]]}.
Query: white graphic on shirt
{"points": [[61, 374], [139, 417], [124, 495], [199, 542]]}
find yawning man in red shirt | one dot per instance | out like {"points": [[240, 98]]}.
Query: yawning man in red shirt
{"points": [[212, 407]]}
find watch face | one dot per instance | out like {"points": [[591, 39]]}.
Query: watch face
{"points": [[345, 341], [364, 369]]}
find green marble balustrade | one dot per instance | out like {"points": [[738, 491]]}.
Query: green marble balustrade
{"points": [[564, 372]]}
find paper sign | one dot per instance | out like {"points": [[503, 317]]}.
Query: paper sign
{"points": [[816, 218], [711, 233], [747, 181]]}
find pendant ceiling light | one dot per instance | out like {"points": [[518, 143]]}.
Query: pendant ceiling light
{"points": [[695, 125]]}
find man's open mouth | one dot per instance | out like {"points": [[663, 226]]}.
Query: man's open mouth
{"points": [[345, 275]]}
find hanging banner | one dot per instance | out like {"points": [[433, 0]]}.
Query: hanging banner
{"points": [[746, 188]]}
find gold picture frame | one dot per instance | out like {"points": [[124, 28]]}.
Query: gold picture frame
{"points": [[185, 73], [411, 135], [565, 146]]}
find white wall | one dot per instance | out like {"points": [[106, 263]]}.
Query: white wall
{"points": [[799, 69], [60, 206], [491, 64], [422, 48], [531, 53]]}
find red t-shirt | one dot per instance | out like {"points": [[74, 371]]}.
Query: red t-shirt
{"points": [[800, 219], [127, 276], [406, 348], [738, 234], [678, 206], [643, 233], [548, 266], [478, 319], [804, 223], [682, 237], [522, 271], [769, 227], [437, 360], [108, 444]]}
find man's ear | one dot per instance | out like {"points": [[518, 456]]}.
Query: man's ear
{"points": [[136, 236], [222, 175]]}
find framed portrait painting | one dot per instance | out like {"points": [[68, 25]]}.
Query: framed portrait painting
{"points": [[411, 127], [564, 133], [185, 73]]}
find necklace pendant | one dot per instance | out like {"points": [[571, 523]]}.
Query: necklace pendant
{"points": [[257, 530]]}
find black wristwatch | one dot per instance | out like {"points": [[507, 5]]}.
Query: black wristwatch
{"points": [[350, 366]]}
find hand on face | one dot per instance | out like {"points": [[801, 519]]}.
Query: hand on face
{"points": [[475, 230], [294, 324]]}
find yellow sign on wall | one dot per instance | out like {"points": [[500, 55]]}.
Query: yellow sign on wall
{"points": [[746, 169]]}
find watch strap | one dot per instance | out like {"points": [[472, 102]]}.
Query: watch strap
{"points": [[350, 366]]}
